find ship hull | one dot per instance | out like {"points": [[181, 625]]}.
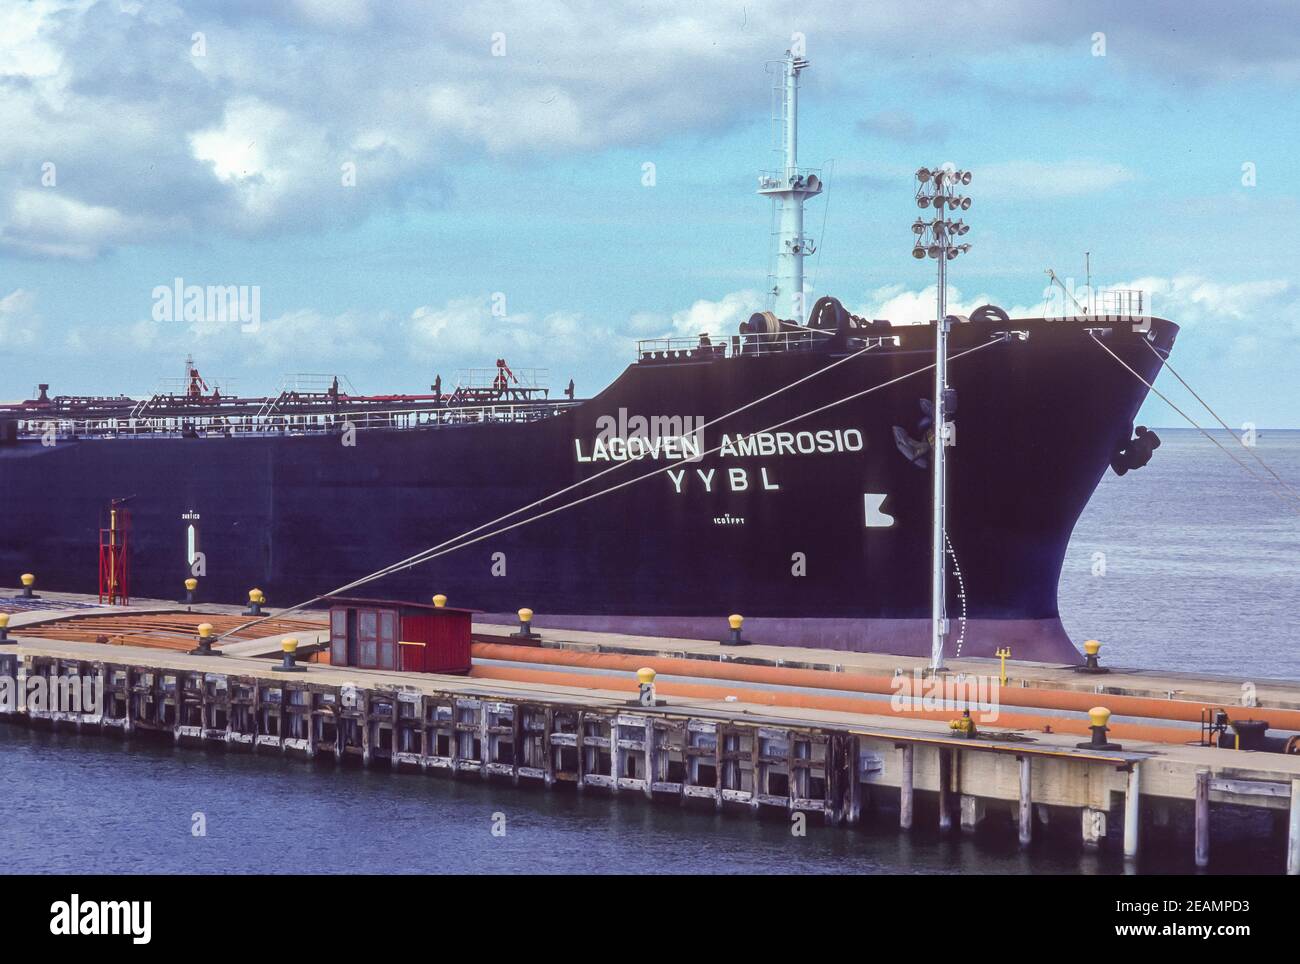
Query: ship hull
{"points": [[820, 539]]}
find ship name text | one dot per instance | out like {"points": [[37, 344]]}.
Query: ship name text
{"points": [[690, 448]]}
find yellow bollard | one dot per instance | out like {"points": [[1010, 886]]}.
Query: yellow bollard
{"points": [[440, 601], [255, 600], [735, 621], [525, 627], [4, 628], [645, 678], [1098, 718], [1003, 654], [28, 581], [205, 642], [1091, 649], [289, 647]]}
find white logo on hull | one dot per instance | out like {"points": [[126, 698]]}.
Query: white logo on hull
{"points": [[876, 518]]}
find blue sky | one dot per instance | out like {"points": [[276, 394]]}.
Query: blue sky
{"points": [[522, 175]]}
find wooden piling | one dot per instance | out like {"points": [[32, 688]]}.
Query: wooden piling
{"points": [[854, 813], [1202, 819], [1026, 811], [1293, 832], [1094, 828], [945, 788], [906, 795]]}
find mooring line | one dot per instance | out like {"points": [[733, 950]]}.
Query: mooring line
{"points": [[1165, 398], [1250, 449], [437, 551], [420, 556]]}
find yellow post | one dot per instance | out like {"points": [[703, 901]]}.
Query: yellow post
{"points": [[1002, 655], [205, 642], [736, 621], [645, 678], [525, 626], [289, 651]]}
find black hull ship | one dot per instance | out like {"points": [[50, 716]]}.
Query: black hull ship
{"points": [[816, 531], [784, 474]]}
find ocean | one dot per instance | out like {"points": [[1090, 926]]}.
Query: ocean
{"points": [[1198, 564], [1199, 561]]}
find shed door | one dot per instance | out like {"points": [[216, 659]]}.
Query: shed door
{"points": [[368, 638], [387, 639], [339, 637]]}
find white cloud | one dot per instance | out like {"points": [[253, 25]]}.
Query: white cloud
{"points": [[265, 156], [306, 337], [249, 137], [1192, 299], [335, 13], [45, 222], [1227, 327], [294, 341], [1043, 180], [19, 323], [463, 333], [904, 306], [716, 318], [1252, 312], [1252, 324]]}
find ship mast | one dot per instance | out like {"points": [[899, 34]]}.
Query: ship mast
{"points": [[789, 188]]}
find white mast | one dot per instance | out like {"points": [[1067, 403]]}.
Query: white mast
{"points": [[789, 188]]}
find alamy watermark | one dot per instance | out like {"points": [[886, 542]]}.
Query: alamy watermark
{"points": [[1067, 301], [922, 692], [623, 436], [211, 304], [51, 694]]}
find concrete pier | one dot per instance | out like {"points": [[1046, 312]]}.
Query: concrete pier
{"points": [[723, 752]]}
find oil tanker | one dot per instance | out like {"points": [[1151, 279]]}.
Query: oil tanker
{"points": [[782, 473]]}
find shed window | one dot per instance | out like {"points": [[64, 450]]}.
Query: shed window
{"points": [[387, 639], [368, 638], [339, 637]]}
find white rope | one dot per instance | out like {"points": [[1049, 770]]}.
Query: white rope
{"points": [[1189, 419], [1269, 469], [439, 550]]}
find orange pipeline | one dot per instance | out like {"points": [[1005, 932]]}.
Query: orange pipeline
{"points": [[1186, 711], [809, 701]]}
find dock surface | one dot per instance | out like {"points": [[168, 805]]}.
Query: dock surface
{"points": [[557, 712]]}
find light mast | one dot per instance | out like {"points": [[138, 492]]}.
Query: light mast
{"points": [[937, 239], [789, 188]]}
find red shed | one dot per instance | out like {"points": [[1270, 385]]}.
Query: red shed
{"points": [[391, 634]]}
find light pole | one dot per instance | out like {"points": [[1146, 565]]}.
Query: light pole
{"points": [[936, 190]]}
